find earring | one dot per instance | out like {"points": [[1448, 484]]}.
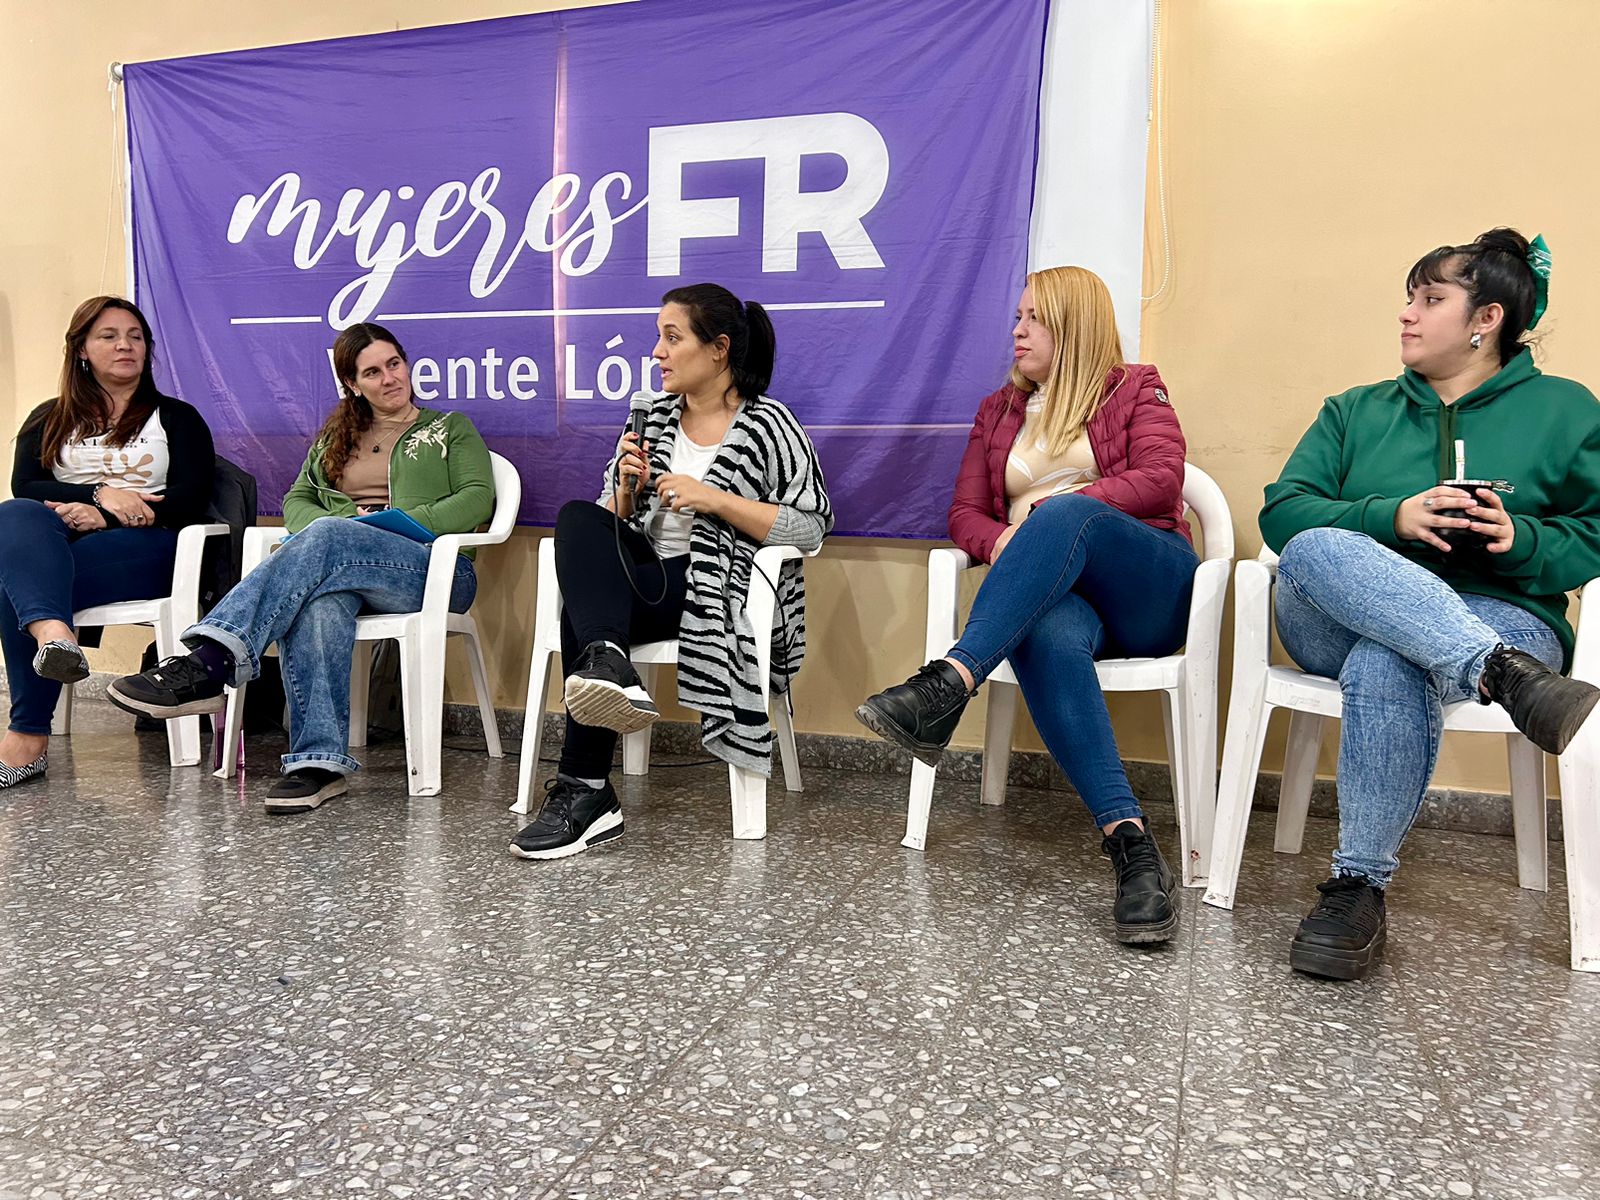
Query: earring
{"points": [[1475, 340], [83, 365]]}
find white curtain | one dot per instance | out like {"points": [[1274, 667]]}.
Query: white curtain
{"points": [[1088, 203]]}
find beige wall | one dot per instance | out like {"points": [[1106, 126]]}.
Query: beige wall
{"points": [[1314, 150]]}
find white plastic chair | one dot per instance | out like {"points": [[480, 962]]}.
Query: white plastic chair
{"points": [[422, 636], [747, 788], [170, 615], [1187, 681], [1259, 688]]}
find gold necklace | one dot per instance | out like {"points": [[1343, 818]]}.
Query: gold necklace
{"points": [[392, 426]]}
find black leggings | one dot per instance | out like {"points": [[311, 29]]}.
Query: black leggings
{"points": [[598, 605]]}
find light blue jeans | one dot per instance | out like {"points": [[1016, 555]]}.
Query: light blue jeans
{"points": [[306, 597], [1402, 644]]}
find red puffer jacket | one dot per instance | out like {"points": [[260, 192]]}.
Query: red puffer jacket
{"points": [[1137, 446]]}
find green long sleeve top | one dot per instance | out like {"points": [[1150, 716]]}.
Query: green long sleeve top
{"points": [[439, 475], [1372, 447]]}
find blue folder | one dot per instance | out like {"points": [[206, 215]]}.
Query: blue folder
{"points": [[396, 521]]}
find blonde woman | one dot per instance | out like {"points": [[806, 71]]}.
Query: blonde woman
{"points": [[1072, 487]]}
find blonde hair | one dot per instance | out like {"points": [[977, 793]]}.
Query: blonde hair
{"points": [[1074, 304]]}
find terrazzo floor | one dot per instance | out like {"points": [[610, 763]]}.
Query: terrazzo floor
{"points": [[197, 1000]]}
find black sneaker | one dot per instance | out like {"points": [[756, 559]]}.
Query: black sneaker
{"points": [[1343, 935], [1144, 911], [62, 661], [1548, 707], [604, 690], [575, 816], [304, 789], [175, 687], [920, 714]]}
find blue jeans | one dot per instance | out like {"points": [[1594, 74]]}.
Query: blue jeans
{"points": [[1403, 644], [47, 572], [1078, 581], [306, 597]]}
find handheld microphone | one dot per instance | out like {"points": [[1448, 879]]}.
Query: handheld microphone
{"points": [[636, 427]]}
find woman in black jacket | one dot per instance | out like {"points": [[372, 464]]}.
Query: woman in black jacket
{"points": [[105, 476]]}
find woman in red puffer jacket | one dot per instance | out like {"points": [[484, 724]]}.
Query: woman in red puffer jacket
{"points": [[1072, 486]]}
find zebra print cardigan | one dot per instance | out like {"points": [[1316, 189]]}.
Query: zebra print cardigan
{"points": [[766, 456]]}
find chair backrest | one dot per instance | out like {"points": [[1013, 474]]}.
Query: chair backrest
{"points": [[1205, 499], [507, 496]]}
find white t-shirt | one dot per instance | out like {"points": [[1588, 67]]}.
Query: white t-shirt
{"points": [[140, 466], [668, 530]]}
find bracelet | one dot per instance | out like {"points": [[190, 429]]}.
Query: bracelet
{"points": [[94, 496]]}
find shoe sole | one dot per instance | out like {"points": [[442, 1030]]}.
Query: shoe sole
{"points": [[300, 804], [924, 752], [1328, 963], [1153, 931], [607, 705], [193, 708], [607, 828], [1573, 723], [61, 665]]}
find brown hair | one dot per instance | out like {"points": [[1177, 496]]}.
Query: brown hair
{"points": [[1074, 304], [82, 408], [353, 417]]}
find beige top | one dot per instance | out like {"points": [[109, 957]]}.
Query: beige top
{"points": [[1034, 474], [366, 475]]}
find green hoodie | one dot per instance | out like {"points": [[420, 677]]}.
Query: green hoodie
{"points": [[439, 475], [1374, 446]]}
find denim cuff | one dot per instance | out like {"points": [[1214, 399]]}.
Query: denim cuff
{"points": [[970, 663], [246, 666], [343, 764], [1122, 812]]}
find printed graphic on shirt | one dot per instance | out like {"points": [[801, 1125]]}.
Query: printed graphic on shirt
{"points": [[139, 466]]}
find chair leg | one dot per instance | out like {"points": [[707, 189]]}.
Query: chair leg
{"points": [[422, 697], [61, 719], [917, 807], [749, 792], [183, 733], [1299, 774], [480, 685], [1528, 817], [1241, 762], [532, 727], [232, 718], [1580, 831], [636, 745], [787, 750], [1194, 827], [997, 741], [360, 687]]}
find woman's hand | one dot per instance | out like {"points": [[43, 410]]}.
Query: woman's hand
{"points": [[1490, 518], [634, 464], [1003, 541], [1437, 508], [680, 492], [131, 508], [80, 518]]}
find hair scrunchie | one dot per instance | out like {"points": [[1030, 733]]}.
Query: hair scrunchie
{"points": [[1539, 261]]}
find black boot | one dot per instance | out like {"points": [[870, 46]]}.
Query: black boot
{"points": [[1548, 707], [920, 714], [1343, 935], [1144, 910]]}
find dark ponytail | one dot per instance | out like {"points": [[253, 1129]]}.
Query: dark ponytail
{"points": [[716, 312], [1492, 269]]}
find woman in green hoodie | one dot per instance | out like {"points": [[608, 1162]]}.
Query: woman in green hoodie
{"points": [[1414, 593], [378, 450]]}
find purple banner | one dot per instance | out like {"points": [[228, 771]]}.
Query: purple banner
{"points": [[512, 197]]}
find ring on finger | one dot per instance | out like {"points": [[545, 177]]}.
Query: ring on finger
{"points": [[1428, 503]]}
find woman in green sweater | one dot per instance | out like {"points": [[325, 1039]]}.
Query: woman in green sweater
{"points": [[1414, 593], [378, 450]]}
